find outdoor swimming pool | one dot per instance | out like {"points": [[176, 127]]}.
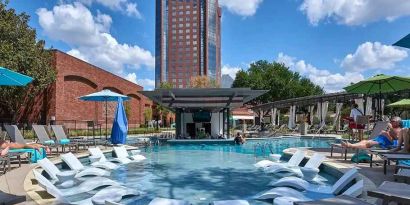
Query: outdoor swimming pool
{"points": [[204, 173]]}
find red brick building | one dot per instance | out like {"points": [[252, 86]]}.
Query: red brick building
{"points": [[76, 78]]}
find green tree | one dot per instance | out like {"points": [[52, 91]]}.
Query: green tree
{"points": [[166, 85], [147, 114], [281, 82], [20, 51]]}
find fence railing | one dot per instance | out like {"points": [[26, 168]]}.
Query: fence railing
{"points": [[84, 128]]}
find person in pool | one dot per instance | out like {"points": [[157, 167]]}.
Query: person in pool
{"points": [[12, 145], [384, 140], [239, 139]]}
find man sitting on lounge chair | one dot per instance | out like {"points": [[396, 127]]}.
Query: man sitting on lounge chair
{"points": [[384, 140], [403, 139], [13, 145]]}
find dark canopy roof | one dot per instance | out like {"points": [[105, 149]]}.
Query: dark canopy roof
{"points": [[211, 99], [308, 100]]}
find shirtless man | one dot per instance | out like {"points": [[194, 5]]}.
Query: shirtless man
{"points": [[404, 138], [12, 145], [385, 139]]}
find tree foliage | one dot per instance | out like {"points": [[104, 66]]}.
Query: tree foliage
{"points": [[202, 82], [21, 52], [281, 82], [147, 114]]}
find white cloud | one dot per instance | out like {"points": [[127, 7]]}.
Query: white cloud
{"points": [[148, 84], [241, 7], [373, 56], [331, 82], [354, 12], [231, 71], [90, 39], [130, 9]]}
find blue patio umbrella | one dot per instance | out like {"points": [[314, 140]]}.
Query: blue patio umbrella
{"points": [[104, 96], [8, 77], [404, 42], [120, 125]]}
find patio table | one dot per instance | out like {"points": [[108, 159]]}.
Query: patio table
{"points": [[393, 157], [392, 191]]}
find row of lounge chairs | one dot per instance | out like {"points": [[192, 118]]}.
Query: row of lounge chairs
{"points": [[61, 139], [289, 189], [64, 184]]}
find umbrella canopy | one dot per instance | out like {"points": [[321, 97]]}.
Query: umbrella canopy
{"points": [[379, 84], [8, 77], [404, 103], [404, 42], [104, 96], [120, 125]]}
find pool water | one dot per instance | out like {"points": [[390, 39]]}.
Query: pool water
{"points": [[204, 173]]}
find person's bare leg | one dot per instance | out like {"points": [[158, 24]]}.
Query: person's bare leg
{"points": [[4, 151], [360, 145]]}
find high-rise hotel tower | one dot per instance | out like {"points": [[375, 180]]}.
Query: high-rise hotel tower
{"points": [[187, 41]]}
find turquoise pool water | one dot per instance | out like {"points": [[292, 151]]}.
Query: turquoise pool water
{"points": [[204, 173]]}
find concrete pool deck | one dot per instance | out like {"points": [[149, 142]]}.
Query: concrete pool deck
{"points": [[19, 180]]}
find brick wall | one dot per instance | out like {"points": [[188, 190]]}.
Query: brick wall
{"points": [[76, 78]]}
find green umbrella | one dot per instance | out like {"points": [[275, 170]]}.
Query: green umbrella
{"points": [[380, 84], [405, 103]]}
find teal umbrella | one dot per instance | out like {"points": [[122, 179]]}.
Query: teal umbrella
{"points": [[404, 42], [8, 77], [104, 96]]}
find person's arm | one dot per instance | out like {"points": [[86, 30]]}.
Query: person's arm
{"points": [[399, 142]]}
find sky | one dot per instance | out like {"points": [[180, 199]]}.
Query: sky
{"points": [[331, 42]]}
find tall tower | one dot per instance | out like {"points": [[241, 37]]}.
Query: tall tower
{"points": [[187, 41]]}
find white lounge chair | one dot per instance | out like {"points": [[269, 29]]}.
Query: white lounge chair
{"points": [[96, 152], [278, 192], [354, 191], [114, 192], [312, 165], [231, 202], [302, 184], [53, 171], [75, 164], [164, 201], [122, 154], [295, 160]]}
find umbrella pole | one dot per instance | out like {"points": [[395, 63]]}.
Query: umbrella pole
{"points": [[106, 121]]}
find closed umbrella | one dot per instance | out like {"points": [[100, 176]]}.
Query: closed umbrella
{"points": [[11, 78], [120, 125], [104, 96], [379, 84]]}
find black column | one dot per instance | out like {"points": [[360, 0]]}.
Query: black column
{"points": [[177, 123], [228, 123]]}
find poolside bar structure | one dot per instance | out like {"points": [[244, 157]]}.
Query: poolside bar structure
{"points": [[202, 111]]}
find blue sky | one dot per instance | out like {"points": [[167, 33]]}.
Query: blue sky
{"points": [[332, 42]]}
